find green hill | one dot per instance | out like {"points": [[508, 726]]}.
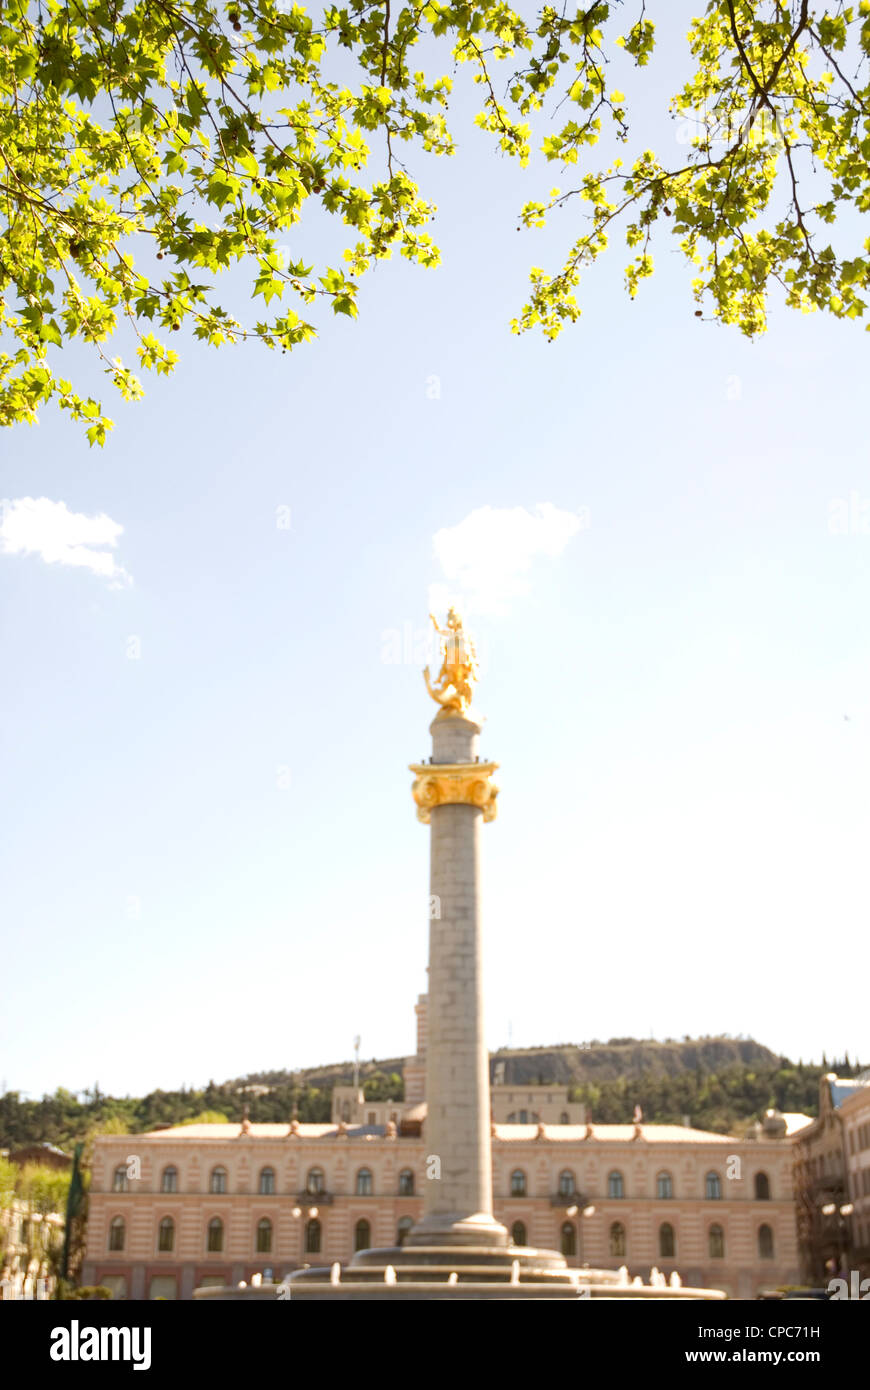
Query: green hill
{"points": [[720, 1083]]}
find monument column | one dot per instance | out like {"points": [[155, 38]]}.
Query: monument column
{"points": [[455, 796], [457, 1245]]}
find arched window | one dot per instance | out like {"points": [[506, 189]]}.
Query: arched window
{"points": [[264, 1236], [617, 1238], [119, 1179], [615, 1185], [518, 1233], [312, 1237], [568, 1239], [567, 1183], [364, 1183], [314, 1181], [666, 1241], [362, 1236], [267, 1182], [215, 1234], [116, 1234], [166, 1234], [664, 1187], [765, 1242], [169, 1180], [713, 1187], [218, 1180], [716, 1243], [524, 1117], [762, 1187], [518, 1183], [405, 1224], [406, 1183]]}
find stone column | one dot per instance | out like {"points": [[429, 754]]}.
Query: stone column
{"points": [[454, 794]]}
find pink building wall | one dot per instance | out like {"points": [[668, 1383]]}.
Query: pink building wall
{"points": [[639, 1154]]}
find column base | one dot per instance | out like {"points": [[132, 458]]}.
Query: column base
{"points": [[478, 1230], [484, 1266]]}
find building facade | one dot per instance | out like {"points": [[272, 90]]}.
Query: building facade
{"points": [[179, 1209], [29, 1241], [855, 1112], [31, 1236], [832, 1156]]}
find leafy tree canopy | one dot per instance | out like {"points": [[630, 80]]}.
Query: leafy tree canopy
{"points": [[720, 1098], [146, 146], [44, 1189], [383, 1086]]}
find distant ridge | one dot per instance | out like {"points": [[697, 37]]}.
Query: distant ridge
{"points": [[718, 1083], [629, 1058], [566, 1064]]}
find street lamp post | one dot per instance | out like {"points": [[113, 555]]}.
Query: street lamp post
{"points": [[842, 1213]]}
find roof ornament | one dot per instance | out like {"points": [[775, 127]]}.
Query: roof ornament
{"points": [[294, 1114]]}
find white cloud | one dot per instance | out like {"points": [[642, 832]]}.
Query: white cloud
{"points": [[487, 557], [38, 526]]}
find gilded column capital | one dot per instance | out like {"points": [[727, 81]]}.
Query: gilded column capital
{"points": [[454, 784]]}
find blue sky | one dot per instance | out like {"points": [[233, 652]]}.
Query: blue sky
{"points": [[210, 858]]}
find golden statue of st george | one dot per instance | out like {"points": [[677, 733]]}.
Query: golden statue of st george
{"points": [[453, 688]]}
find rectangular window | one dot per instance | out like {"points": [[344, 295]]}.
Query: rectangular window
{"points": [[163, 1286]]}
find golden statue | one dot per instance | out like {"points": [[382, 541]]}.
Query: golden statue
{"points": [[458, 669]]}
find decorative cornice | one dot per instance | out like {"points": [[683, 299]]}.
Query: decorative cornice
{"points": [[454, 784]]}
